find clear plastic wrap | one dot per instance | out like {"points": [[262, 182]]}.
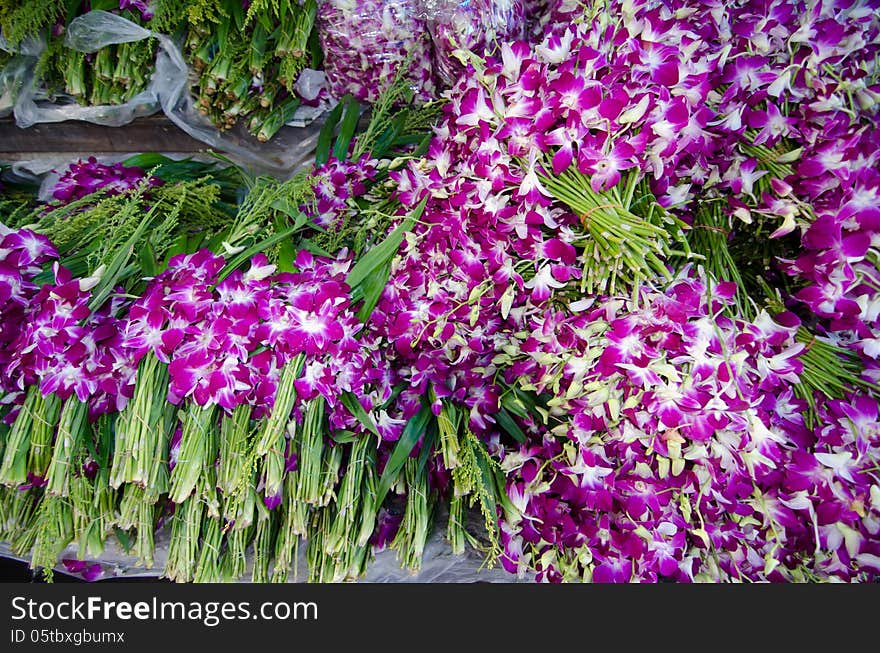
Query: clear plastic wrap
{"points": [[12, 78], [17, 71], [470, 25], [88, 33], [550, 17], [364, 42]]}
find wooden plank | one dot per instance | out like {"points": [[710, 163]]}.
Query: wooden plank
{"points": [[291, 150], [150, 134]]}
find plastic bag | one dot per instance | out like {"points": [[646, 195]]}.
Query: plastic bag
{"points": [[551, 17], [16, 72], [88, 33], [12, 79], [364, 42], [471, 25]]}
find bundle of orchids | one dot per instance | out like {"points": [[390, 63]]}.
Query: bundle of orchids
{"points": [[614, 318]]}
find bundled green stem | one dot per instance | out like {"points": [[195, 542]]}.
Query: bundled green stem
{"points": [[234, 432], [310, 445], [349, 499], [54, 533], [183, 549], [198, 449], [264, 540], [455, 527], [272, 432], [417, 517], [291, 528], [208, 569], [71, 431], [143, 429], [29, 443], [138, 510], [628, 237], [709, 240], [829, 370]]}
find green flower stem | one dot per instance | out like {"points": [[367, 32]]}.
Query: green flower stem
{"points": [[348, 501], [369, 501], [71, 429], [620, 244], [330, 474], [24, 512], [42, 433], [448, 423], [53, 533], [272, 432], [277, 118], [455, 532], [137, 510], [208, 568], [290, 530], [311, 445], [183, 549], [88, 519], [273, 471], [198, 449], [263, 544], [234, 562], [416, 525], [142, 430], [13, 470], [322, 568], [234, 431], [709, 239], [6, 502]]}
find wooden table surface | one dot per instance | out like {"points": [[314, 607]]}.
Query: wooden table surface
{"points": [[290, 150], [150, 134]]}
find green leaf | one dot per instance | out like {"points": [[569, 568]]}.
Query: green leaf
{"points": [[389, 137], [422, 149], [123, 537], [149, 265], [384, 251], [507, 422], [146, 160], [408, 439], [287, 253], [427, 446], [177, 247], [284, 205], [371, 289], [322, 149], [345, 437], [263, 245], [350, 401], [118, 266], [350, 116], [314, 248]]}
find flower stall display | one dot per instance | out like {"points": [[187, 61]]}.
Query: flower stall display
{"points": [[609, 307]]}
